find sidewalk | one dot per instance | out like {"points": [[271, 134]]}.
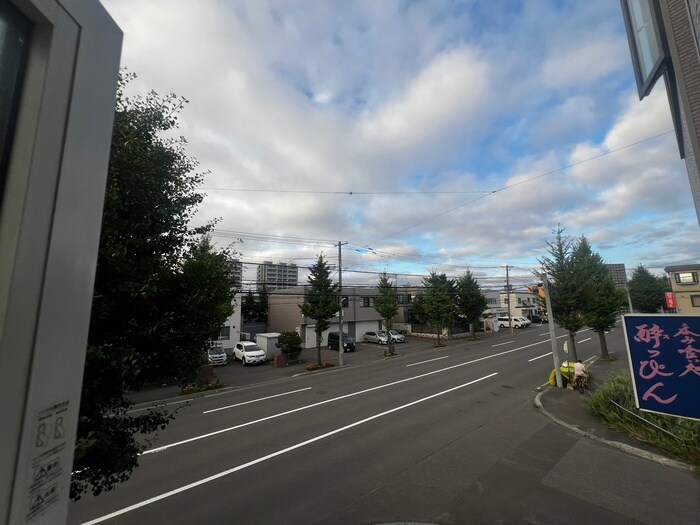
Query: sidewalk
{"points": [[568, 408]]}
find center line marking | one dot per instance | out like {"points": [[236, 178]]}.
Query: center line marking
{"points": [[539, 357], [584, 340], [278, 453], [501, 344], [429, 360]]}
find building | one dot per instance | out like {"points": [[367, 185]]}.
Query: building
{"points": [[277, 276], [359, 315], [685, 287], [230, 332], [522, 304], [237, 270], [664, 42], [618, 274]]}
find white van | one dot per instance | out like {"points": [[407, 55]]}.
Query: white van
{"points": [[516, 322]]}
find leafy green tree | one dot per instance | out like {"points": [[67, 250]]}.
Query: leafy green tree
{"points": [[600, 302], [161, 291], [565, 287], [417, 312], [387, 305], [470, 303], [320, 300], [439, 301], [249, 307], [262, 304], [647, 290]]}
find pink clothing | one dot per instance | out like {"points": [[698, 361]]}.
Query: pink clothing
{"points": [[579, 369]]}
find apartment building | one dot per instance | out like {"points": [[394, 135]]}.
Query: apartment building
{"points": [[277, 276]]}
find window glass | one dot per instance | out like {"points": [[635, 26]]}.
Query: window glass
{"points": [[15, 31], [647, 45], [686, 277]]}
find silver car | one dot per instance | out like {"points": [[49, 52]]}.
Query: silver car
{"points": [[380, 337], [397, 337]]}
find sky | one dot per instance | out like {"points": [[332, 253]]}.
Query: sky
{"points": [[427, 135]]}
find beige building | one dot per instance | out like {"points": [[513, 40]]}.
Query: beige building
{"points": [[685, 287], [359, 315]]}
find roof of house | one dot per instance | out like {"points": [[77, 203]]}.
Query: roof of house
{"points": [[682, 268]]}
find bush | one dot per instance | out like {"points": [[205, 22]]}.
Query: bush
{"points": [[290, 344], [618, 388]]}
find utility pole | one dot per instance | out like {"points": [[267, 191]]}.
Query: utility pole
{"points": [[341, 340], [510, 319], [629, 298], [552, 334]]}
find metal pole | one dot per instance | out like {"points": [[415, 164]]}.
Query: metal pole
{"points": [[341, 341], [629, 298], [552, 333], [510, 319]]}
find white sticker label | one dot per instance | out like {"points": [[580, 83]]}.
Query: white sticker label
{"points": [[46, 460]]}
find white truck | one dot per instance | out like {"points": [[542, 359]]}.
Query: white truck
{"points": [[268, 343]]}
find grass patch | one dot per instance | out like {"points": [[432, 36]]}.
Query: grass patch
{"points": [[681, 438]]}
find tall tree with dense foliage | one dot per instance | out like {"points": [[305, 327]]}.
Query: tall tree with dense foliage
{"points": [[320, 300], [386, 304], [600, 301], [565, 288], [161, 290], [439, 301], [647, 290], [470, 302]]}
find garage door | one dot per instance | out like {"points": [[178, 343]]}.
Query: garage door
{"points": [[365, 326]]}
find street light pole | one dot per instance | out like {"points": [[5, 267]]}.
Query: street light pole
{"points": [[341, 340], [510, 319]]}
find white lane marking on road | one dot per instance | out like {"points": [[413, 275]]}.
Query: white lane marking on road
{"points": [[543, 334], [166, 404], [352, 394], [584, 340], [429, 360], [279, 453], [255, 400], [539, 357], [501, 344]]}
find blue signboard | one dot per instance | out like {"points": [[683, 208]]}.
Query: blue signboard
{"points": [[664, 354]]}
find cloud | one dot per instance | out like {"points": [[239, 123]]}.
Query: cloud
{"points": [[449, 93], [420, 96]]}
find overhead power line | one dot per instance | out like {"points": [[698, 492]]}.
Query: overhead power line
{"points": [[524, 181]]}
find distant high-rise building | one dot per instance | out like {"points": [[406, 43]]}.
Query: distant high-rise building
{"points": [[618, 274], [278, 276], [237, 269]]}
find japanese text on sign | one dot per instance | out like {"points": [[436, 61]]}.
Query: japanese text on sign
{"points": [[665, 362]]}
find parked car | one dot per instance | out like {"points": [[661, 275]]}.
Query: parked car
{"points": [[248, 352], [380, 337], [538, 319], [516, 322], [348, 342], [525, 321], [397, 337], [216, 355]]}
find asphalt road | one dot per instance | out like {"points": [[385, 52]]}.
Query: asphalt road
{"points": [[445, 436]]}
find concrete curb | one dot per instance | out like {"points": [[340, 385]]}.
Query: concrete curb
{"points": [[615, 444]]}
